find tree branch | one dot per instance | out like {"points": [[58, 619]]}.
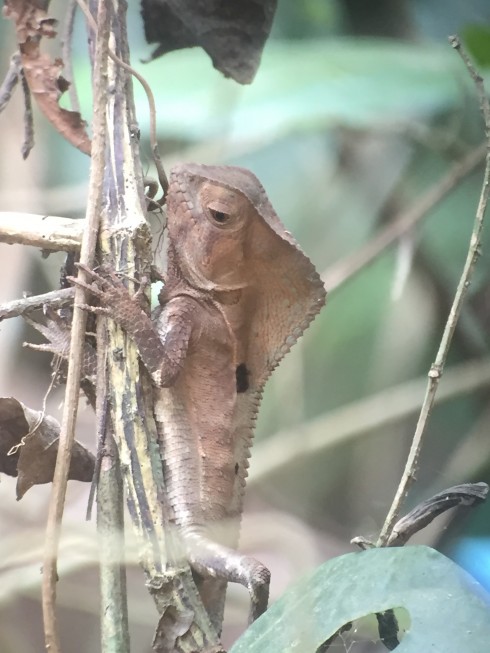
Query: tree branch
{"points": [[45, 231], [110, 516], [66, 50], [54, 299]]}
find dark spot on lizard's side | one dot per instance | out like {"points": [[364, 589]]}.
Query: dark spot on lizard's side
{"points": [[237, 467], [242, 374]]}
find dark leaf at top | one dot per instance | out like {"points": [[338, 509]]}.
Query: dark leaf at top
{"points": [[232, 33]]}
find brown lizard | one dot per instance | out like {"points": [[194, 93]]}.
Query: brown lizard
{"points": [[238, 293]]}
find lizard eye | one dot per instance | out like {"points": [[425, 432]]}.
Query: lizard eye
{"points": [[220, 217]]}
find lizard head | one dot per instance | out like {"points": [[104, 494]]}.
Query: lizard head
{"points": [[209, 228], [225, 235]]}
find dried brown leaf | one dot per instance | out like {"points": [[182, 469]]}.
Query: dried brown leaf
{"points": [[43, 74], [29, 445]]}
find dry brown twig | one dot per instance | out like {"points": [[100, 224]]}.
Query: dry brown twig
{"points": [[70, 407], [437, 368], [28, 142]]}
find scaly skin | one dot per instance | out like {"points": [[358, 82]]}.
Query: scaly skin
{"points": [[239, 292]]}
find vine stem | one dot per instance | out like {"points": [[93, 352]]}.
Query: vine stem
{"points": [[437, 368]]}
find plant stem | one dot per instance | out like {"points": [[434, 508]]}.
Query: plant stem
{"points": [[437, 368]]}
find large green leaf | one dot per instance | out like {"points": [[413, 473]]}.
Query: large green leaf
{"points": [[449, 612], [303, 84]]}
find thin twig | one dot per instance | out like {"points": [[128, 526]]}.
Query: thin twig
{"points": [[437, 367], [54, 299], [162, 177], [67, 431], [10, 81], [342, 271], [28, 142], [67, 52]]}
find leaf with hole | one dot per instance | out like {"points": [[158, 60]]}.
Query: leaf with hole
{"points": [[448, 610]]}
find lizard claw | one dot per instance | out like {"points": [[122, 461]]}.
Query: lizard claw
{"points": [[91, 287], [104, 275], [139, 296], [102, 283], [98, 310], [45, 347]]}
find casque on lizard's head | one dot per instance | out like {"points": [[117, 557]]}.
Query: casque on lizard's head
{"points": [[226, 235]]}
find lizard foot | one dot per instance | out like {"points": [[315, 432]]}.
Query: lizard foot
{"points": [[56, 330], [212, 560], [114, 299]]}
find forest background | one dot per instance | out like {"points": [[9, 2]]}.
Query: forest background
{"points": [[357, 110]]}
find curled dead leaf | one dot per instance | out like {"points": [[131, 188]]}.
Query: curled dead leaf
{"points": [[29, 445], [43, 74]]}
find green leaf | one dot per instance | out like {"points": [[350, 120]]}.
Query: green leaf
{"points": [[449, 612], [301, 85], [477, 40]]}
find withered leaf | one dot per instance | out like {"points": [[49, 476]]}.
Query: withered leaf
{"points": [[232, 33], [32, 442], [42, 73]]}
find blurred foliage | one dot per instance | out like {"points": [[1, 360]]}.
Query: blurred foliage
{"points": [[345, 130]]}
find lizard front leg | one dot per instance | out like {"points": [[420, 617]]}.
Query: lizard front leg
{"points": [[162, 354]]}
